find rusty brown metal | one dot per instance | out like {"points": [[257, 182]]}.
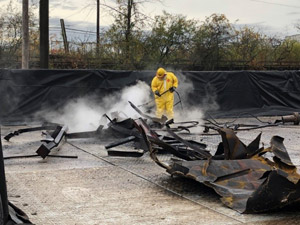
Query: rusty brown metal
{"points": [[246, 181], [295, 118]]}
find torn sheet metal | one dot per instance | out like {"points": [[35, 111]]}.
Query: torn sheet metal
{"points": [[131, 130], [188, 150], [246, 181]]}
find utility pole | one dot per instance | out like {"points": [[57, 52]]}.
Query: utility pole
{"points": [[44, 34], [64, 35], [98, 27], [25, 35], [128, 27]]}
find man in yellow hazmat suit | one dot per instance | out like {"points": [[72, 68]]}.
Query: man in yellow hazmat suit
{"points": [[162, 82]]}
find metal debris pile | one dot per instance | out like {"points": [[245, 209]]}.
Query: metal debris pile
{"points": [[246, 179]]}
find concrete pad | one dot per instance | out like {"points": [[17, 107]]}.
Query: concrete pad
{"points": [[98, 189]]}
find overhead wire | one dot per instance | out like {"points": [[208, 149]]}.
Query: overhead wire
{"points": [[273, 3]]}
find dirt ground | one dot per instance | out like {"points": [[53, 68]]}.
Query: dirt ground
{"points": [[99, 189]]}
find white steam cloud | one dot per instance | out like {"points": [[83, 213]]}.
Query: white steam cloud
{"points": [[188, 111], [138, 94], [85, 113]]}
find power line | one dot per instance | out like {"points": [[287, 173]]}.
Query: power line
{"points": [[85, 31], [72, 29], [279, 4]]}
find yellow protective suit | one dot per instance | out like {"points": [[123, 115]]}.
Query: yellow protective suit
{"points": [[164, 104]]}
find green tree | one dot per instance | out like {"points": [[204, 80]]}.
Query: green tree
{"points": [[295, 53], [170, 39], [11, 34], [211, 42], [249, 48], [125, 37], [282, 51]]}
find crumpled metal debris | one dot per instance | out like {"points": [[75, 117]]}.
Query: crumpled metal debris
{"points": [[160, 123], [52, 141], [242, 175], [129, 130], [48, 143], [247, 181]]}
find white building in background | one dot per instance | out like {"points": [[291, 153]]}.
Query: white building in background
{"points": [[295, 37]]}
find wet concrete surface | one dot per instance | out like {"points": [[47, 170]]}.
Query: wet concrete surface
{"points": [[99, 189]]}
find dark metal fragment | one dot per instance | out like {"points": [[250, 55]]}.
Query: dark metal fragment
{"points": [[125, 153], [233, 147], [87, 134], [25, 130], [161, 120], [120, 142], [57, 136]]}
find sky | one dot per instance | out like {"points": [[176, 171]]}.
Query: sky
{"points": [[272, 17]]}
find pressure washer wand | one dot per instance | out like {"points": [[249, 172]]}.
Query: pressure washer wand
{"points": [[147, 103]]}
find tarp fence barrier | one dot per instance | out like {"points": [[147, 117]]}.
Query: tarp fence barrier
{"points": [[25, 92]]}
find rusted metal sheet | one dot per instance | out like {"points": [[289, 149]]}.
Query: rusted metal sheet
{"points": [[246, 181], [281, 156], [234, 180]]}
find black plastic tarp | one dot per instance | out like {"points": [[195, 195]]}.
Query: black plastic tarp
{"points": [[25, 92]]}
